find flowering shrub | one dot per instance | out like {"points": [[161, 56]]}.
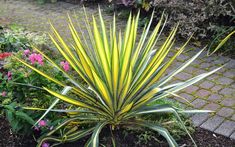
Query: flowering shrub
{"points": [[20, 85], [4, 55]]}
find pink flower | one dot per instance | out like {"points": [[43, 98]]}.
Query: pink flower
{"points": [[4, 93], [44, 144], [26, 52], [32, 58], [36, 58], [9, 75], [42, 123], [65, 65]]}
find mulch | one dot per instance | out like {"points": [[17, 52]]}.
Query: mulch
{"points": [[202, 137]]}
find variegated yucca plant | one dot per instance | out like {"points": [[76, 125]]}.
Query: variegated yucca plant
{"points": [[124, 79]]}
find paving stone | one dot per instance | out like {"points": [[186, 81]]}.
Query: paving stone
{"points": [[210, 59], [233, 136], [215, 97], [233, 117], [198, 103], [233, 85], [211, 106], [203, 93], [183, 76], [198, 119], [205, 65], [227, 91], [226, 128], [220, 60], [199, 71], [176, 81], [182, 57], [231, 64], [221, 71], [228, 102], [187, 96], [212, 123], [225, 81], [216, 88], [177, 64], [229, 74], [207, 85], [213, 77], [191, 89], [225, 112], [196, 63], [190, 69]]}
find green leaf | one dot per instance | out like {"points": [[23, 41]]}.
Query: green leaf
{"points": [[178, 70], [95, 135], [220, 44], [64, 92], [25, 117]]}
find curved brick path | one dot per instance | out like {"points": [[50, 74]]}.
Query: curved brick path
{"points": [[217, 92]]}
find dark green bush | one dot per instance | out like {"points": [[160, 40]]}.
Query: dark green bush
{"points": [[194, 16], [197, 16], [209, 20]]}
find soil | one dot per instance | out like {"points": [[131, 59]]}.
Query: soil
{"points": [[202, 137]]}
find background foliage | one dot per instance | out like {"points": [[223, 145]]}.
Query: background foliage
{"points": [[197, 16], [207, 19], [18, 84]]}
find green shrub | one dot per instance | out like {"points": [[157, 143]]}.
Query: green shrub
{"points": [[20, 85], [12, 40], [16, 38], [23, 86], [194, 16], [123, 80]]}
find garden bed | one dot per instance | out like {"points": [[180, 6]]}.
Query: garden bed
{"points": [[106, 109], [202, 137]]}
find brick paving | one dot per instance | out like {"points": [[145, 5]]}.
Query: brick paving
{"points": [[212, 123], [216, 92]]}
